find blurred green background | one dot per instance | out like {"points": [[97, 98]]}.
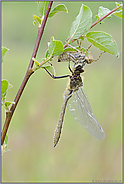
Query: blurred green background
{"points": [[78, 157]]}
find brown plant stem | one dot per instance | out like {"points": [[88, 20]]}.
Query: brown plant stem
{"points": [[29, 72]]}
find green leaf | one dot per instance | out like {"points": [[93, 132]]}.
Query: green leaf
{"points": [[36, 62], [7, 104], [82, 38], [51, 47], [55, 47], [58, 49], [4, 87], [42, 7], [82, 23], [4, 146], [58, 8], [102, 12], [118, 4], [6, 139], [97, 17], [47, 53], [118, 13], [37, 20], [3, 52], [69, 49], [103, 41]]}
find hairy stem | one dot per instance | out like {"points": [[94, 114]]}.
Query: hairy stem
{"points": [[29, 72]]}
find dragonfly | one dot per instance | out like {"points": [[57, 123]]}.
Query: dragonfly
{"points": [[76, 100], [77, 56]]}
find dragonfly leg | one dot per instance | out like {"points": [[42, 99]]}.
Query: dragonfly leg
{"points": [[69, 66], [55, 77], [99, 56]]}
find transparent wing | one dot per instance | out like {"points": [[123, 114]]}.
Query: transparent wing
{"points": [[82, 112]]}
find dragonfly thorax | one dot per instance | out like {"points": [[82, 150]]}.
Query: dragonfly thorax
{"points": [[75, 78], [75, 82], [78, 69]]}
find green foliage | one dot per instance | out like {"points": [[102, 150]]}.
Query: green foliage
{"points": [[102, 12], [100, 39], [55, 47], [4, 146], [69, 49], [48, 67], [58, 8], [82, 23], [7, 104], [5, 85], [103, 41], [36, 62], [3, 52], [119, 12], [37, 20], [42, 7], [79, 29], [6, 139]]}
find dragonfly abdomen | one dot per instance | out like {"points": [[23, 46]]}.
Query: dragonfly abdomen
{"points": [[57, 133]]}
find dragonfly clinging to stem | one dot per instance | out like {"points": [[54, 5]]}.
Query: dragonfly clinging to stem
{"points": [[76, 99]]}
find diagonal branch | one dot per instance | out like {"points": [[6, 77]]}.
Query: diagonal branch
{"points": [[29, 72], [105, 16]]}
